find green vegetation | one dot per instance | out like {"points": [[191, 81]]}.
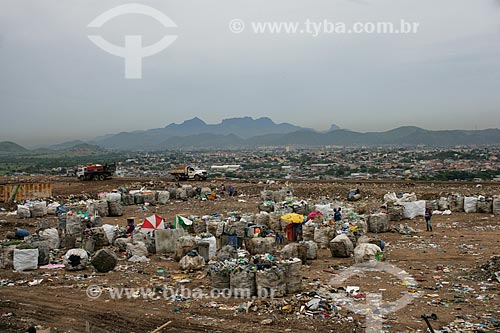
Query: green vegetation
{"points": [[233, 175], [338, 172], [45, 161], [462, 175]]}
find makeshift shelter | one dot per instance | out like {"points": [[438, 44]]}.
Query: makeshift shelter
{"points": [[154, 222], [294, 228], [182, 222]]}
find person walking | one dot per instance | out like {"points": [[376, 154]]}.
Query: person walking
{"points": [[428, 215]]}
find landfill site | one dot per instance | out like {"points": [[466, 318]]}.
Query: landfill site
{"points": [[156, 255]]}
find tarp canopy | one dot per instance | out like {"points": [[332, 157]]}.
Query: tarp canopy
{"points": [[182, 222], [154, 222], [292, 218], [313, 215]]}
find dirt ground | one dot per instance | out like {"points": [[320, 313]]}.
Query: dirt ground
{"points": [[445, 262]]}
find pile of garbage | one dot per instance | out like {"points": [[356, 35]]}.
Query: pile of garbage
{"points": [[407, 206], [195, 239], [261, 275], [284, 202], [461, 325], [32, 209], [490, 270], [321, 303], [80, 225], [109, 203]]}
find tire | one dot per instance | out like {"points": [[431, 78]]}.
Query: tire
{"points": [[81, 178], [197, 178], [102, 177]]}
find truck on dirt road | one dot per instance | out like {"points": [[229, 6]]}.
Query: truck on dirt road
{"points": [[95, 171], [185, 172]]}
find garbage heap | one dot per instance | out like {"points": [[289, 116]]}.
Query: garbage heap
{"points": [[263, 276], [407, 206]]}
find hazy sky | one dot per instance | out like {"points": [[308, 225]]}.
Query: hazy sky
{"points": [[55, 84]]}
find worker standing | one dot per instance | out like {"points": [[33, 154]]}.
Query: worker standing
{"points": [[428, 215]]}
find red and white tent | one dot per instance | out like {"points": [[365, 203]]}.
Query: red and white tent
{"points": [[154, 222]]}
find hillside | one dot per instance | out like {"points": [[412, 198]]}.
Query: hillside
{"points": [[11, 147]]}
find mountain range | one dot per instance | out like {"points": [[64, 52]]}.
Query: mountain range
{"points": [[403, 136], [247, 132], [160, 138]]}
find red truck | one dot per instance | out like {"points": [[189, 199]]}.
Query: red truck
{"points": [[95, 171]]}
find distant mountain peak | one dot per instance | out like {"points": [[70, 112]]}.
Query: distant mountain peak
{"points": [[406, 128], [265, 120], [194, 121], [236, 120], [333, 127]]}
